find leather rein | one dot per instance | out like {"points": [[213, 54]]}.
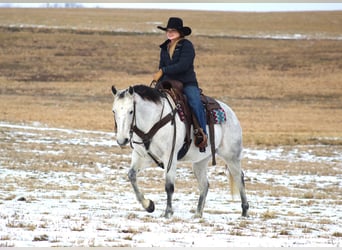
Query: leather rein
{"points": [[147, 137]]}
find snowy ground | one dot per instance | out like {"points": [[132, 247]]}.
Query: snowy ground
{"points": [[62, 187]]}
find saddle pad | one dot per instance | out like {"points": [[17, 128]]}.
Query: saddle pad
{"points": [[218, 115]]}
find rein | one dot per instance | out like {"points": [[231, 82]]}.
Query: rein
{"points": [[147, 137]]}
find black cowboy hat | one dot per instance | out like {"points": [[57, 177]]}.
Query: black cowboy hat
{"points": [[176, 23]]}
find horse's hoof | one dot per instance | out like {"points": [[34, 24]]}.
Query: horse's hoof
{"points": [[168, 214], [150, 207], [245, 208], [197, 216]]}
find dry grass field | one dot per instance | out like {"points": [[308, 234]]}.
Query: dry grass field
{"points": [[57, 66], [280, 72]]}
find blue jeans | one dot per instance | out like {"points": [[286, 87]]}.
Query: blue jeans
{"points": [[194, 100]]}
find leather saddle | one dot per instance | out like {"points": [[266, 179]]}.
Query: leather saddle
{"points": [[175, 90]]}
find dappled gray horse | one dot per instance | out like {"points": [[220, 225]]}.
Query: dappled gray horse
{"points": [[147, 119]]}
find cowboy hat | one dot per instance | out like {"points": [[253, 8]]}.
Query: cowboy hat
{"points": [[176, 23]]}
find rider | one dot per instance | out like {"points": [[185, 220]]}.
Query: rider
{"points": [[177, 56]]}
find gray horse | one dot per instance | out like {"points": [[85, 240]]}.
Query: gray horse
{"points": [[139, 110]]}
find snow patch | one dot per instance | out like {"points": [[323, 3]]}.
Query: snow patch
{"points": [[49, 200]]}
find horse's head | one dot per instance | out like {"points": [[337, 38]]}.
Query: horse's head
{"points": [[123, 110]]}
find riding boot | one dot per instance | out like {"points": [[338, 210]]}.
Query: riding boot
{"points": [[201, 139]]}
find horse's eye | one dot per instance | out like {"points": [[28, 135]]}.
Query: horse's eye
{"points": [[131, 112]]}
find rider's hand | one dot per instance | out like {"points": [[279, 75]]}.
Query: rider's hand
{"points": [[157, 75]]}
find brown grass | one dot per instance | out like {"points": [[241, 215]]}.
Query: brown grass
{"points": [[283, 91]]}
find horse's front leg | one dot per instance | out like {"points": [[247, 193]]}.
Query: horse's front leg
{"points": [[136, 164], [170, 188]]}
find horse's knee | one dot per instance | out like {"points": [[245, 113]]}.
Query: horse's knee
{"points": [[132, 175], [169, 188]]}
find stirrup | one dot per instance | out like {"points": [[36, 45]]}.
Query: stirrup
{"points": [[201, 139]]}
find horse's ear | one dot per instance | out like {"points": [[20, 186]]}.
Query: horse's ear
{"points": [[114, 91], [130, 90]]}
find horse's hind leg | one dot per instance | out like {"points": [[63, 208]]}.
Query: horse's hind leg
{"points": [[200, 171], [236, 177], [244, 202]]}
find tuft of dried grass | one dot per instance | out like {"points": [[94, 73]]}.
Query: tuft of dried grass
{"points": [[268, 215], [337, 234]]}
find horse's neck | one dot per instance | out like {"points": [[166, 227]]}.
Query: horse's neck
{"points": [[149, 113]]}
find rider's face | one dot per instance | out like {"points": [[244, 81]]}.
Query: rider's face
{"points": [[172, 34]]}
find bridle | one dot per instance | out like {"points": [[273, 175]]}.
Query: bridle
{"points": [[147, 137]]}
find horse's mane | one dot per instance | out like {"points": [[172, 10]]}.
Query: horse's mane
{"points": [[148, 93]]}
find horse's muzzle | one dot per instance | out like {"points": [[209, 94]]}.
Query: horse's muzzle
{"points": [[123, 143]]}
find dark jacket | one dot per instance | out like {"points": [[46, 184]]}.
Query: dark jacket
{"points": [[181, 66]]}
